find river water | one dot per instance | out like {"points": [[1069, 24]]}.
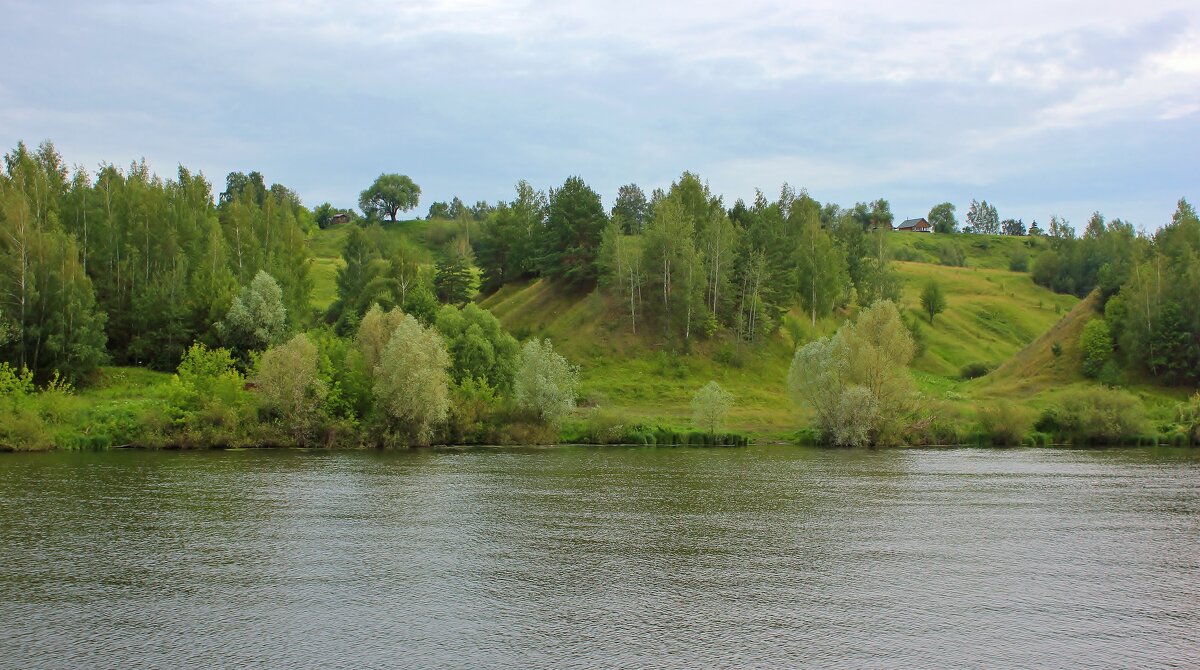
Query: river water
{"points": [[601, 557]]}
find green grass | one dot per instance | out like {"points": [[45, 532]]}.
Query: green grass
{"points": [[993, 316], [990, 252], [324, 275], [990, 314]]}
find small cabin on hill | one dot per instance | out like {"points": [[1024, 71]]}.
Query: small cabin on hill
{"points": [[916, 226], [339, 218]]}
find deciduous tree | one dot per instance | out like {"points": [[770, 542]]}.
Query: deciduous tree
{"points": [[710, 406], [932, 299], [546, 384], [412, 380], [390, 194], [942, 218]]}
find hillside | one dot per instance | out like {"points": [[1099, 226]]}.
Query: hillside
{"points": [[427, 237], [994, 316]]}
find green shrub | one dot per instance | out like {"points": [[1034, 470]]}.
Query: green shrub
{"points": [[1188, 416], [473, 411], [1099, 415], [1018, 261], [952, 255], [1005, 423], [1056, 347], [22, 429], [1096, 343]]}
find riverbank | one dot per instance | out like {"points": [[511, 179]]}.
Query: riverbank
{"points": [[134, 407]]}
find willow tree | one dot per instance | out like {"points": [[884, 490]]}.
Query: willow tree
{"points": [[858, 382], [546, 384], [412, 381], [257, 317], [290, 388]]}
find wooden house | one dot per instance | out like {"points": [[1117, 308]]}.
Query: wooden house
{"points": [[916, 226]]}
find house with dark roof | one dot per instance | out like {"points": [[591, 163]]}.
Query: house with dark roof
{"points": [[916, 226]]}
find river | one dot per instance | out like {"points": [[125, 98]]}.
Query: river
{"points": [[601, 557]]}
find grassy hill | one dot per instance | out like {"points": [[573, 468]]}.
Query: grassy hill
{"points": [[992, 314], [995, 317]]}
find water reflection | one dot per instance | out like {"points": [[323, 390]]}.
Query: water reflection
{"points": [[569, 557]]}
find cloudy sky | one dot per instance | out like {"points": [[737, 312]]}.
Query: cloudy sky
{"points": [[1039, 107]]}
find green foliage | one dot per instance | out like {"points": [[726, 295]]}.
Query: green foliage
{"points": [[631, 209], [879, 281], [1103, 258], [1096, 344], [21, 426], [454, 283], [389, 194], [942, 218], [669, 256], [422, 304], [474, 413], [289, 387], [412, 381], [375, 270], [343, 372], [1056, 349], [710, 406], [982, 219], [952, 255], [1012, 227], [821, 270], [1005, 423], [546, 385], [375, 331], [323, 215], [479, 347], [1096, 415], [506, 250], [52, 321], [1019, 261], [1188, 416], [207, 403], [932, 299], [256, 318], [858, 382], [1154, 317], [570, 240]]}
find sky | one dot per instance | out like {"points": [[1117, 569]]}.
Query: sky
{"points": [[1039, 107]]}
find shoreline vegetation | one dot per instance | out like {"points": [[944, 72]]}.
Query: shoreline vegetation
{"points": [[137, 311]]}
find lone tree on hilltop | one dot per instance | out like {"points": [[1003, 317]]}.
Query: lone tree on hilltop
{"points": [[391, 193]]}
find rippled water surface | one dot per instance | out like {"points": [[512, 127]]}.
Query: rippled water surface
{"points": [[577, 557]]}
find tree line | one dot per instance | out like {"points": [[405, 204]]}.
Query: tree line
{"points": [[123, 265]]}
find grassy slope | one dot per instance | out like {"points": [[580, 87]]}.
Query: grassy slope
{"points": [[1035, 375], [994, 316]]}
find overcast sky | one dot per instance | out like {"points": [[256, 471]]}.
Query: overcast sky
{"points": [[1040, 108]]}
